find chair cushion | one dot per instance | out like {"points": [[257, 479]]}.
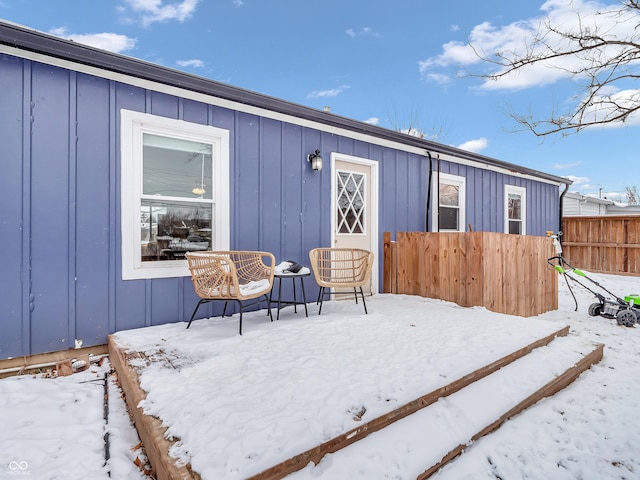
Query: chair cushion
{"points": [[255, 287]]}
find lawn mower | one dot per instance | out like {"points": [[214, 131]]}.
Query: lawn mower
{"points": [[626, 311]]}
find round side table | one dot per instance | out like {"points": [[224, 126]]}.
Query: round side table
{"points": [[295, 302]]}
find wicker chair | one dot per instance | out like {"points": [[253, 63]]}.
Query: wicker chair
{"points": [[341, 268], [231, 276]]}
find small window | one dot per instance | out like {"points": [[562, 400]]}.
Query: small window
{"points": [[515, 208], [175, 194], [451, 203]]}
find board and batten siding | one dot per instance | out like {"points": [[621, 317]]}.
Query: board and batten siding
{"points": [[485, 199], [60, 195]]}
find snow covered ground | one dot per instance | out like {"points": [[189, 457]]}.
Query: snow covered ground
{"points": [[54, 428], [287, 384]]}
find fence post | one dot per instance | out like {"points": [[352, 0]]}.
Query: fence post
{"points": [[386, 280]]}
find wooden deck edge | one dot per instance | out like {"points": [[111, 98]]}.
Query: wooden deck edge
{"points": [[316, 454], [554, 386], [149, 428]]}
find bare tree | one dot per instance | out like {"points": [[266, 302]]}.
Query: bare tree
{"points": [[601, 52], [633, 198], [411, 123]]}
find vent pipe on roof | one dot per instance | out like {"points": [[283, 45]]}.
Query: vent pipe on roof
{"points": [[327, 108]]}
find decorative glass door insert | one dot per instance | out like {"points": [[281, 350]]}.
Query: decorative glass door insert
{"points": [[351, 202]]}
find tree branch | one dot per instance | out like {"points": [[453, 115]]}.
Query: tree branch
{"points": [[602, 62]]}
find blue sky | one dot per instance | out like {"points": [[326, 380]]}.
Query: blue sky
{"points": [[383, 62]]}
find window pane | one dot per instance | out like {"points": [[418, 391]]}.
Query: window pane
{"points": [[449, 195], [176, 168], [448, 218], [515, 226], [170, 229], [515, 204]]}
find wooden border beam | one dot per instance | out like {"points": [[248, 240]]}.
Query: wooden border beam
{"points": [[316, 454], [150, 429], [551, 388]]}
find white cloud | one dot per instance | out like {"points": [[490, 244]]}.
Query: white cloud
{"points": [[111, 42], [475, 146], [564, 166], [580, 182], [455, 53], [454, 28], [238, 3], [439, 78], [584, 186], [516, 38], [190, 63], [153, 11], [620, 197], [334, 92], [362, 32], [609, 106], [372, 121]]}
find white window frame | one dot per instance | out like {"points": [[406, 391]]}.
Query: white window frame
{"points": [[133, 126], [461, 183], [522, 192]]}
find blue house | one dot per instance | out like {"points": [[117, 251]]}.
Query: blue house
{"points": [[113, 168]]}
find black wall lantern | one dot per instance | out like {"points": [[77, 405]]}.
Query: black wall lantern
{"points": [[316, 160]]}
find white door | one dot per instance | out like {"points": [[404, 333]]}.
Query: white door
{"points": [[354, 207]]}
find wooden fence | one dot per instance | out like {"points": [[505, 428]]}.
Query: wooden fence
{"points": [[504, 273], [604, 244]]}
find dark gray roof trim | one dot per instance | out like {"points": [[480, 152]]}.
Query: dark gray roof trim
{"points": [[38, 42]]}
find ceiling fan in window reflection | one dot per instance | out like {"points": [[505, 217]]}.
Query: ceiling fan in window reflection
{"points": [[199, 189]]}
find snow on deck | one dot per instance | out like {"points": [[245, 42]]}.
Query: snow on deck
{"points": [[238, 405]]}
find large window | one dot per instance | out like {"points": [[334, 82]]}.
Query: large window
{"points": [[450, 199], [175, 193], [515, 210]]}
